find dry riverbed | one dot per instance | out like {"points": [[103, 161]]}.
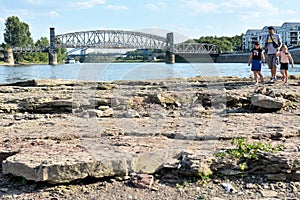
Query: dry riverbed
{"points": [[148, 139]]}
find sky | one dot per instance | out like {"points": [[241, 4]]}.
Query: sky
{"points": [[191, 18]]}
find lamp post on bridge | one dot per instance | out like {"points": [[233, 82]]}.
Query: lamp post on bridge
{"points": [[52, 55]]}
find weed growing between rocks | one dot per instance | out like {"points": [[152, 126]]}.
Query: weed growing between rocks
{"points": [[247, 150]]}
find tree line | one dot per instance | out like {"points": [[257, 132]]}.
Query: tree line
{"points": [[17, 34], [226, 44]]}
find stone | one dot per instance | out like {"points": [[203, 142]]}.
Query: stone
{"points": [[295, 176], [198, 111], [103, 108], [9, 107], [57, 163], [230, 172], [144, 181], [64, 162], [268, 193], [229, 188], [166, 99], [251, 186], [132, 114], [101, 113], [19, 116], [267, 102], [276, 177], [174, 114], [4, 190]]}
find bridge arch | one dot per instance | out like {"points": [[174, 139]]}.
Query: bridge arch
{"points": [[110, 39]]}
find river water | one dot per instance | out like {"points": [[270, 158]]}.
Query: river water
{"points": [[127, 71]]}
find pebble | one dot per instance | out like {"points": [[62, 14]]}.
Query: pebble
{"points": [[4, 190], [268, 193], [251, 186]]}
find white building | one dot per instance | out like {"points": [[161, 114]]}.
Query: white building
{"points": [[290, 34], [250, 38]]}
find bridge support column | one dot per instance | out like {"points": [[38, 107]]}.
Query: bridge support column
{"points": [[52, 55], [9, 57], [170, 56], [52, 58]]}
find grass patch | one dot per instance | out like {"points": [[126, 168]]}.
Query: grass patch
{"points": [[247, 150]]}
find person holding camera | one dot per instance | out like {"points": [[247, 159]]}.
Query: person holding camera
{"points": [[272, 46]]}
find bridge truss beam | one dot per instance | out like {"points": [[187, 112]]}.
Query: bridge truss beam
{"points": [[107, 39], [196, 48]]}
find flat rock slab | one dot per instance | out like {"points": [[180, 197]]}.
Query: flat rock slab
{"points": [[66, 161], [50, 161], [263, 101]]}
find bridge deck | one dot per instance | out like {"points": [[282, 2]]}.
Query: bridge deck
{"points": [[29, 49]]}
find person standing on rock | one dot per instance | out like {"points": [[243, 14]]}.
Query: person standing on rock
{"points": [[285, 57], [272, 46], [255, 60]]}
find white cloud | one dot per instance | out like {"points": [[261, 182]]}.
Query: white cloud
{"points": [[152, 7], [155, 7], [289, 12], [116, 7], [198, 7], [238, 4], [248, 7], [53, 13], [22, 13], [34, 2], [86, 4]]}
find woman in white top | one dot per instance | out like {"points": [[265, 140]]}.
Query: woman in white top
{"points": [[285, 58]]}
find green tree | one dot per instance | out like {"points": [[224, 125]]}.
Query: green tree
{"points": [[16, 33], [61, 54], [225, 43], [42, 42]]}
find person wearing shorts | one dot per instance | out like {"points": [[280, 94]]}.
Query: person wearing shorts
{"points": [[273, 45], [255, 60], [285, 58]]}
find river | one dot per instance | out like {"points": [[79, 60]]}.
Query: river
{"points": [[127, 71]]}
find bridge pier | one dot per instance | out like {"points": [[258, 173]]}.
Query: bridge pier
{"points": [[52, 55], [170, 56], [52, 58], [9, 57]]}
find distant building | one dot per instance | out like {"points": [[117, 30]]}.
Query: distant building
{"points": [[251, 36], [290, 34]]}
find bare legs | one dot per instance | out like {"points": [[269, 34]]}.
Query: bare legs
{"points": [[273, 72], [285, 75], [256, 74]]}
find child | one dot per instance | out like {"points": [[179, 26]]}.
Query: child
{"points": [[285, 57], [256, 58]]}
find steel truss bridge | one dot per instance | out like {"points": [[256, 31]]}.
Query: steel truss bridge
{"points": [[119, 39]]}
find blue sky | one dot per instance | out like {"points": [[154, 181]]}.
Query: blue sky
{"points": [[192, 18]]}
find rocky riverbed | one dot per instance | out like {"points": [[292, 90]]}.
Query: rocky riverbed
{"points": [[160, 139]]}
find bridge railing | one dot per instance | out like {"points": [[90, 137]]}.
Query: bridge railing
{"points": [[30, 49]]}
